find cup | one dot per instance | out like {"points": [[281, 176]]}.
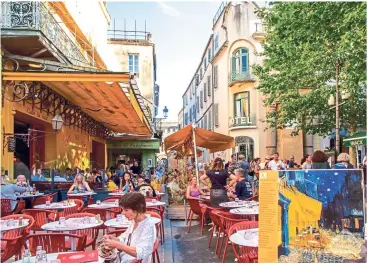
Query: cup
{"points": [[117, 202], [86, 220], [65, 203], [55, 261], [10, 222], [236, 199], [48, 203], [98, 202], [153, 201], [120, 218], [43, 256], [62, 221]]}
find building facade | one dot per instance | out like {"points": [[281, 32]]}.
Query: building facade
{"points": [[51, 52], [232, 105], [180, 119]]}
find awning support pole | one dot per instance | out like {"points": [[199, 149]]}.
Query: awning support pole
{"points": [[195, 149]]}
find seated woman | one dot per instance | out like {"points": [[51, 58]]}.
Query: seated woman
{"points": [[137, 242], [94, 177], [126, 182], [38, 176], [193, 192], [80, 184]]}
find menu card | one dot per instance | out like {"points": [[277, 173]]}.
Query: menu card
{"points": [[79, 257]]}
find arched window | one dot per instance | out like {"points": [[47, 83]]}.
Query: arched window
{"points": [[240, 61]]}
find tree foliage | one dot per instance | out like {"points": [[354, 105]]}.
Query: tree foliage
{"points": [[303, 42]]}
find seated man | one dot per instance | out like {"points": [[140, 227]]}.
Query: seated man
{"points": [[38, 176], [243, 187], [145, 188]]}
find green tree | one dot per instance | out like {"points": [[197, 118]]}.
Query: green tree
{"points": [[304, 41]]}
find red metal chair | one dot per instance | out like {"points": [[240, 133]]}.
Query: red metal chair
{"points": [[227, 220], [155, 253], [117, 209], [26, 230], [41, 217], [91, 233], [242, 253], [216, 226], [21, 205], [11, 247], [55, 242], [90, 200], [105, 215], [160, 210], [6, 208], [195, 209], [42, 200], [158, 225], [72, 210]]}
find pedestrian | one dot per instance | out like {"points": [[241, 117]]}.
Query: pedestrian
{"points": [[276, 163], [218, 177], [319, 160], [343, 162], [308, 164]]}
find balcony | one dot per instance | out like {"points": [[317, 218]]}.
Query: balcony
{"points": [[242, 122], [239, 77], [219, 12], [260, 31], [33, 25]]}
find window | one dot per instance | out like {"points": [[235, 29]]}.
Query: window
{"points": [[205, 122], [209, 85], [205, 97], [194, 112], [133, 63], [197, 80], [242, 104], [190, 92], [190, 114], [200, 73], [209, 54], [202, 124], [240, 61], [197, 104], [210, 120], [204, 64], [194, 88], [216, 43], [201, 99], [216, 76], [216, 115], [186, 100]]}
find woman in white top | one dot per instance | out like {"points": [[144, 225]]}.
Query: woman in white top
{"points": [[137, 242], [80, 184]]}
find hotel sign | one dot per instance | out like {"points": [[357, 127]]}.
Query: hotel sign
{"points": [[134, 145], [242, 121]]}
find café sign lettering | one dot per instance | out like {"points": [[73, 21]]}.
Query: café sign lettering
{"points": [[134, 145], [240, 121]]}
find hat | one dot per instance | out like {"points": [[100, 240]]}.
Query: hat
{"points": [[241, 156]]}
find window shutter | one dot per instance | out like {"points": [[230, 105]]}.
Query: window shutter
{"points": [[216, 109], [209, 85], [205, 97], [206, 122], [216, 76], [210, 122], [198, 105], [201, 100]]}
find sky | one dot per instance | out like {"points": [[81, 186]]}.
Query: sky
{"points": [[180, 31]]}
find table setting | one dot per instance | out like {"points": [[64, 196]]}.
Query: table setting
{"points": [[56, 205], [87, 193], [12, 224], [122, 222], [247, 238], [238, 204], [28, 195]]}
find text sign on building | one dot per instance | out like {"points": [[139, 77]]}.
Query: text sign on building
{"points": [[134, 145], [241, 121]]}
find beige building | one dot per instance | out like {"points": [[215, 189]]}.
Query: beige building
{"points": [[226, 97], [180, 119]]}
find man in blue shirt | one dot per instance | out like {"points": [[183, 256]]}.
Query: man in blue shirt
{"points": [[243, 186], [8, 192], [38, 176]]}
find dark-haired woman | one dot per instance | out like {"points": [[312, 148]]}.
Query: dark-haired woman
{"points": [[137, 242], [126, 183], [320, 160], [218, 177]]}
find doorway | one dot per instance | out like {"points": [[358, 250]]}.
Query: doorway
{"points": [[22, 150]]}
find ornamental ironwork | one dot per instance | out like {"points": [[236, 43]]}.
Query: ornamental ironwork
{"points": [[45, 100], [36, 16]]}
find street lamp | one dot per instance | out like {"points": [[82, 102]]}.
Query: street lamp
{"points": [[57, 122]]}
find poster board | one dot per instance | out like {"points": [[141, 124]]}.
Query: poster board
{"points": [[312, 216]]}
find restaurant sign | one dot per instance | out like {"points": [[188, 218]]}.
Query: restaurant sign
{"points": [[134, 145]]}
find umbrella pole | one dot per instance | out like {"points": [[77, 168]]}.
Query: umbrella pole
{"points": [[196, 164]]}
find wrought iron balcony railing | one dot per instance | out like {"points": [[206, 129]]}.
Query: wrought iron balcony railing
{"points": [[245, 121], [236, 76], [37, 17]]}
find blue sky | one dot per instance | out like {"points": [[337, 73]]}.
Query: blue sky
{"points": [[180, 32]]}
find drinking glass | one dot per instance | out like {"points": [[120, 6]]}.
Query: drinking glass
{"points": [[62, 221], [10, 222], [120, 218], [47, 203], [43, 256], [236, 199], [65, 203], [55, 261], [98, 202], [153, 201], [117, 202]]}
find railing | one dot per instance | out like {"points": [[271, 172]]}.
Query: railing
{"points": [[260, 28], [36, 16], [219, 12], [129, 35], [245, 121], [236, 76]]}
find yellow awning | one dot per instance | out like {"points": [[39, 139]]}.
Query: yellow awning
{"points": [[98, 94]]}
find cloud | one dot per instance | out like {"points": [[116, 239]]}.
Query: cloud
{"points": [[168, 10]]}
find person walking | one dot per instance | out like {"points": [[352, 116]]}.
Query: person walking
{"points": [[218, 177]]}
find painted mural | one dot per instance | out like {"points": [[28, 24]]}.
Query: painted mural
{"points": [[321, 216]]}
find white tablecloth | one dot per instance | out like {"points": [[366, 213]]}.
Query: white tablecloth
{"points": [[250, 241], [22, 196], [4, 227], [157, 203], [53, 206], [239, 204], [81, 194], [104, 205], [246, 211], [72, 224], [51, 257], [113, 223]]}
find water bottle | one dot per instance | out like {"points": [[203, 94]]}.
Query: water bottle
{"points": [[75, 191], [39, 254], [26, 256], [127, 188]]}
